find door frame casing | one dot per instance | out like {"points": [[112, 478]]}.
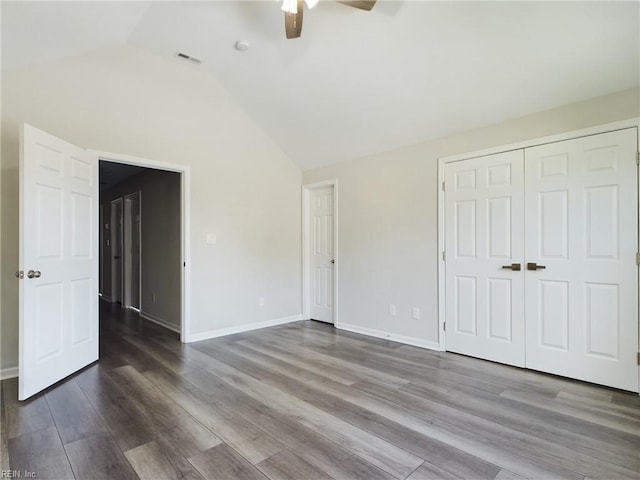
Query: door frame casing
{"points": [[443, 161], [306, 251], [185, 224], [127, 265]]}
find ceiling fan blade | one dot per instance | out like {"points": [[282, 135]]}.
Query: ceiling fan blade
{"points": [[361, 4], [293, 21]]}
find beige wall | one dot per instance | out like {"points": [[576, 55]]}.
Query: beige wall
{"points": [[388, 216], [161, 270], [244, 188]]}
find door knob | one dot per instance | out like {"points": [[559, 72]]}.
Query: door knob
{"points": [[33, 274], [514, 266], [535, 266], [333, 261]]}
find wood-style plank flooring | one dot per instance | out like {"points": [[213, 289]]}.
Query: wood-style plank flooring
{"points": [[304, 401]]}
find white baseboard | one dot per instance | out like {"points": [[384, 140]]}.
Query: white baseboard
{"points": [[160, 321], [221, 332], [10, 372], [416, 342]]}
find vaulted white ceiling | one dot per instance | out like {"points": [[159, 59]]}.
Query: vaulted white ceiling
{"points": [[358, 82]]}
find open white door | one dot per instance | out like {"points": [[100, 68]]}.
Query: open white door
{"points": [[58, 258]]}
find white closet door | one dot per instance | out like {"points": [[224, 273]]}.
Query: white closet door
{"points": [[581, 226], [484, 233], [322, 254]]}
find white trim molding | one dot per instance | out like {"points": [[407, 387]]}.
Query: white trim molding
{"points": [[222, 332], [185, 190], [306, 260], [11, 372], [415, 342]]}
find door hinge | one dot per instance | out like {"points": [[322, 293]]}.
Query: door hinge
{"points": [[444, 256], [444, 326], [638, 258], [443, 187], [638, 362], [20, 274], [637, 158]]}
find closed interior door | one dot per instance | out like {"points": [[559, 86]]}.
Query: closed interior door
{"points": [[321, 250], [58, 318], [581, 230], [116, 250], [484, 249]]}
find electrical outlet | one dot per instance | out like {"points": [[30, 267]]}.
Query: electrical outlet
{"points": [[261, 301], [392, 309], [415, 313]]}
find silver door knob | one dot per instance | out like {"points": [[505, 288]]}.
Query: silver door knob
{"points": [[34, 274]]}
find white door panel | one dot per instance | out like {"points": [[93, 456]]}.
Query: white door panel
{"points": [[581, 211], [58, 309], [578, 227], [484, 232], [322, 253]]}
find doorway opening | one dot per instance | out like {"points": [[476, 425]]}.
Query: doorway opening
{"points": [[141, 248]]}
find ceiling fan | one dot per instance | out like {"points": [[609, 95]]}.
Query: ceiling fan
{"points": [[293, 12]]}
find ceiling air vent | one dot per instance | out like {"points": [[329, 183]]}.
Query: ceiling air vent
{"points": [[184, 56]]}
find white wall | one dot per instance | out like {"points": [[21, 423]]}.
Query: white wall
{"points": [[388, 216], [244, 188]]}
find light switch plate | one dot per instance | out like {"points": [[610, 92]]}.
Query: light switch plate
{"points": [[212, 239]]}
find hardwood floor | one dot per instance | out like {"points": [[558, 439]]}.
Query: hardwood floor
{"points": [[304, 401]]}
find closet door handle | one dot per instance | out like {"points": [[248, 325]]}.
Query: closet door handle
{"points": [[514, 266], [535, 266]]}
